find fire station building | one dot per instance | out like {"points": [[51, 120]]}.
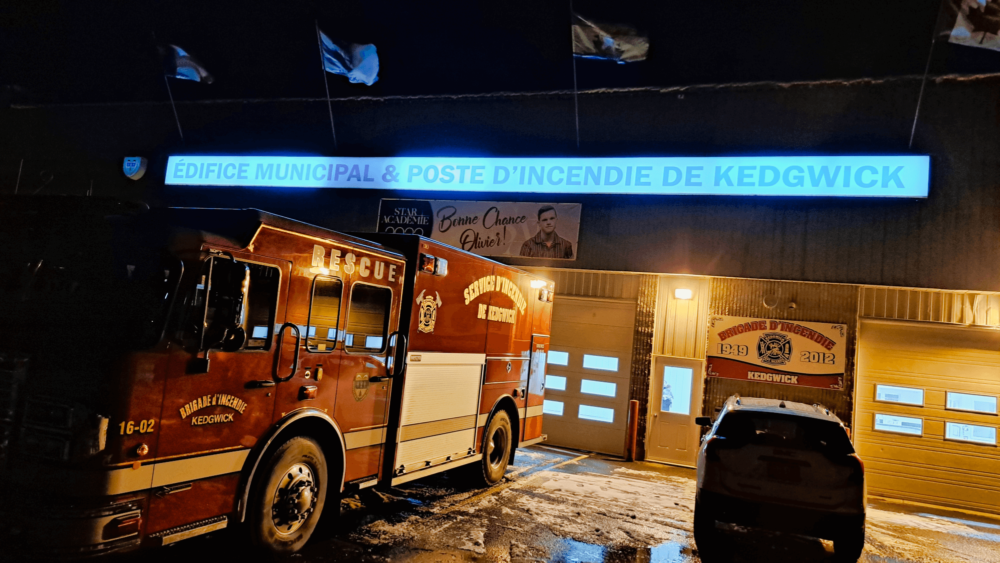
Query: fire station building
{"points": [[887, 307]]}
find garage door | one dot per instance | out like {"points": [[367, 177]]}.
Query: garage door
{"points": [[926, 417], [586, 386]]}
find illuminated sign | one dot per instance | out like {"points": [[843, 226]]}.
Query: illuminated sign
{"points": [[822, 176]]}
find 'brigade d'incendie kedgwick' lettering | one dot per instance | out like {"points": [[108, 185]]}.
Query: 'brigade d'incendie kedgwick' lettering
{"points": [[775, 351], [221, 400]]}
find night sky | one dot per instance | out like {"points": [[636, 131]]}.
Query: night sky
{"points": [[88, 51]]}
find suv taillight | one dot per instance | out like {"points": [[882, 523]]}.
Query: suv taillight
{"points": [[858, 471], [712, 447]]}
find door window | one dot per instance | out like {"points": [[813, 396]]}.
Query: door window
{"points": [[676, 396], [600, 414], [324, 314], [552, 407], [894, 394], [260, 300], [972, 403], [368, 319], [555, 382], [598, 387], [260, 304], [557, 358], [605, 363], [971, 433], [899, 424]]}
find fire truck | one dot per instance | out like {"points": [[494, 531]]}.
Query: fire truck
{"points": [[166, 373]]}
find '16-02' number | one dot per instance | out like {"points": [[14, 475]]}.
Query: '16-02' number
{"points": [[130, 427], [818, 358]]}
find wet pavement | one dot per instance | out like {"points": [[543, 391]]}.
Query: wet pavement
{"points": [[564, 506]]}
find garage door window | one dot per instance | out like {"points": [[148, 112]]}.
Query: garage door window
{"points": [[899, 424], [905, 395], [598, 387], [558, 358], [555, 383], [972, 403], [552, 407], [604, 363], [971, 433], [599, 414]]}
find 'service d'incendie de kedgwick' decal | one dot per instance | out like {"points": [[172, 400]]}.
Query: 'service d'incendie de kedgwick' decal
{"points": [[218, 400], [490, 283], [428, 311]]}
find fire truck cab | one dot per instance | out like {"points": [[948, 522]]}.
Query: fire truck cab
{"points": [[166, 373]]}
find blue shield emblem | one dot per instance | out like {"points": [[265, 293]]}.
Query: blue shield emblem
{"points": [[134, 167]]}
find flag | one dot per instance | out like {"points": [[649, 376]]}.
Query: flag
{"points": [[977, 23], [359, 63], [179, 64], [610, 42]]}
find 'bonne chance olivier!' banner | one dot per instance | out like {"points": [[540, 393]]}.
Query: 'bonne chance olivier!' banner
{"points": [[489, 228], [773, 351]]}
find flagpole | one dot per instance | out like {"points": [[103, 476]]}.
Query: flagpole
{"points": [[326, 84], [174, 107], [576, 101], [923, 81]]}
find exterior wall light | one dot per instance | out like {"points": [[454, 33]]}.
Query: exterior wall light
{"points": [[683, 293]]}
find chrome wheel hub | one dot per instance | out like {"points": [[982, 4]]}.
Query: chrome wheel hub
{"points": [[294, 499], [495, 447]]}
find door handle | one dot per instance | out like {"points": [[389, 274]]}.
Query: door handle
{"points": [[260, 383], [295, 357]]}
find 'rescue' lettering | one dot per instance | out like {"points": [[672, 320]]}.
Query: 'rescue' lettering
{"points": [[222, 400], [773, 377], [486, 284]]}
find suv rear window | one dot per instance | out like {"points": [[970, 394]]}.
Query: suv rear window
{"points": [[784, 431]]}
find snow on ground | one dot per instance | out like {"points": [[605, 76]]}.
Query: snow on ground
{"points": [[626, 511], [929, 538], [562, 512]]}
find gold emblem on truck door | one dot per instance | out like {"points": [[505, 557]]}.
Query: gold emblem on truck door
{"points": [[361, 387], [428, 311]]}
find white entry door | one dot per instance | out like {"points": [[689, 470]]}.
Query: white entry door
{"points": [[675, 401]]}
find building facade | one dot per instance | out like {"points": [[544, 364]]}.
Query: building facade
{"points": [[912, 285]]}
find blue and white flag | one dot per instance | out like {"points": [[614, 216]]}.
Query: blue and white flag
{"points": [[359, 63], [609, 42], [179, 64]]}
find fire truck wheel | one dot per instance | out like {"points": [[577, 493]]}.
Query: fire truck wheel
{"points": [[288, 497], [497, 443]]}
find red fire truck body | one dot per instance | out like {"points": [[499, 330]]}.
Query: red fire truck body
{"points": [[291, 364]]}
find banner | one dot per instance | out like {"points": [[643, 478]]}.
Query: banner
{"points": [[817, 176], [489, 228], [772, 351]]}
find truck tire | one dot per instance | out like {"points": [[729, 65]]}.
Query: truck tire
{"points": [[288, 497], [849, 542], [706, 535], [498, 441]]}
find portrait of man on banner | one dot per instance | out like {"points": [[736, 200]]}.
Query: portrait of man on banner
{"points": [[547, 243]]}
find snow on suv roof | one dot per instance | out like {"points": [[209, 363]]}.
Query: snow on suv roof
{"points": [[758, 404]]}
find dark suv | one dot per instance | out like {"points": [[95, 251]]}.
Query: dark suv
{"points": [[782, 466]]}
